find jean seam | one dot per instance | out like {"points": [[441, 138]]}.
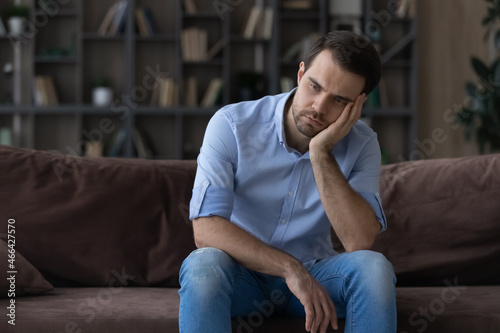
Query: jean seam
{"points": [[348, 282]]}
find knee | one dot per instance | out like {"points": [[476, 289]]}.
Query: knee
{"points": [[208, 264], [373, 266]]}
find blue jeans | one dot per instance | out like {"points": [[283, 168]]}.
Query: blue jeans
{"points": [[215, 288]]}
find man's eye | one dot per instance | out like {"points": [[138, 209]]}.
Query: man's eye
{"points": [[339, 100], [314, 87]]}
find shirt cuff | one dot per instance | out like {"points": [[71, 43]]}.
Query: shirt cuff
{"points": [[209, 200], [376, 203]]}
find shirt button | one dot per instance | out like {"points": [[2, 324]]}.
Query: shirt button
{"points": [[290, 193], [205, 183], [283, 221]]}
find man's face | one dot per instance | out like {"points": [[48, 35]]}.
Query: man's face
{"points": [[323, 92]]}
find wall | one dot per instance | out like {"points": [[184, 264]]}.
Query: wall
{"points": [[450, 32]]}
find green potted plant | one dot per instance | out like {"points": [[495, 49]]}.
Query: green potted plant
{"points": [[102, 93], [17, 15], [481, 114]]}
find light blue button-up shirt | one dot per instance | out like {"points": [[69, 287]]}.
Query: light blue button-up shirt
{"points": [[249, 175]]}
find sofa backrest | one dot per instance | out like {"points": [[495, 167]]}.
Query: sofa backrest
{"points": [[443, 220], [90, 221]]}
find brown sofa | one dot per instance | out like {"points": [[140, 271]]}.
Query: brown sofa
{"points": [[99, 243]]}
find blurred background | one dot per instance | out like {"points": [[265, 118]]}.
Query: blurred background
{"points": [[141, 78]]}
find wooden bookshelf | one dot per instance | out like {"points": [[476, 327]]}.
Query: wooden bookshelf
{"points": [[70, 49]]}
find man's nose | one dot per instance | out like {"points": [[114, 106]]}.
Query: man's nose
{"points": [[319, 104]]}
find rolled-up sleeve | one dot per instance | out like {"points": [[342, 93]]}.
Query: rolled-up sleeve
{"points": [[214, 183], [365, 178]]}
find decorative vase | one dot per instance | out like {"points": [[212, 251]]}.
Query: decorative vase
{"points": [[102, 96], [16, 26]]}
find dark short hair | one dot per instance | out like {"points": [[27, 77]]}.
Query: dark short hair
{"points": [[352, 53]]}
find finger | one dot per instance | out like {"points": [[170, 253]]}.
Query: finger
{"points": [[358, 105], [309, 317], [327, 310], [345, 115], [318, 316], [334, 321]]}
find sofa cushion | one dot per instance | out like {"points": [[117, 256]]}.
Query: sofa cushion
{"points": [[450, 308], [27, 280], [443, 220], [96, 221], [126, 310]]}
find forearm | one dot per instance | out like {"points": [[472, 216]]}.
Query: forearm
{"points": [[243, 247], [351, 217]]}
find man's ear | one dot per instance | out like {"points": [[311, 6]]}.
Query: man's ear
{"points": [[300, 73]]}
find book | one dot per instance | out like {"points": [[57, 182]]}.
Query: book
{"points": [[216, 48], [3, 30], [353, 8], [297, 4], [94, 148], [286, 84], [212, 93], [165, 93], [140, 21], [155, 95], [190, 7], [116, 143], [191, 91], [51, 91], [6, 136], [119, 19], [402, 8], [148, 19], [141, 145], [44, 91], [108, 18], [267, 25], [251, 24], [194, 44]]}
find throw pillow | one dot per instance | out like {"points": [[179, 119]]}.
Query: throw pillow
{"points": [[28, 280]]}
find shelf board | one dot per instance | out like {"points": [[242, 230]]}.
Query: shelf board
{"points": [[291, 63], [387, 112], [202, 15], [300, 15], [211, 62], [157, 38], [41, 59], [94, 36], [73, 109], [398, 63], [241, 39], [58, 13], [199, 111], [154, 110], [177, 110]]}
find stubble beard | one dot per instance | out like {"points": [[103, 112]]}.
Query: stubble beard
{"points": [[304, 128]]}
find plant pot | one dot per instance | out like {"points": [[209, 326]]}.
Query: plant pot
{"points": [[102, 96], [16, 26]]}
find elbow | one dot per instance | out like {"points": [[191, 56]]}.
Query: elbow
{"points": [[199, 234], [362, 242], [358, 246]]}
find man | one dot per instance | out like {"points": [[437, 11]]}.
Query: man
{"points": [[274, 175]]}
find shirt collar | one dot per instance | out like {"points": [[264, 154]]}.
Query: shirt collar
{"points": [[278, 116]]}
